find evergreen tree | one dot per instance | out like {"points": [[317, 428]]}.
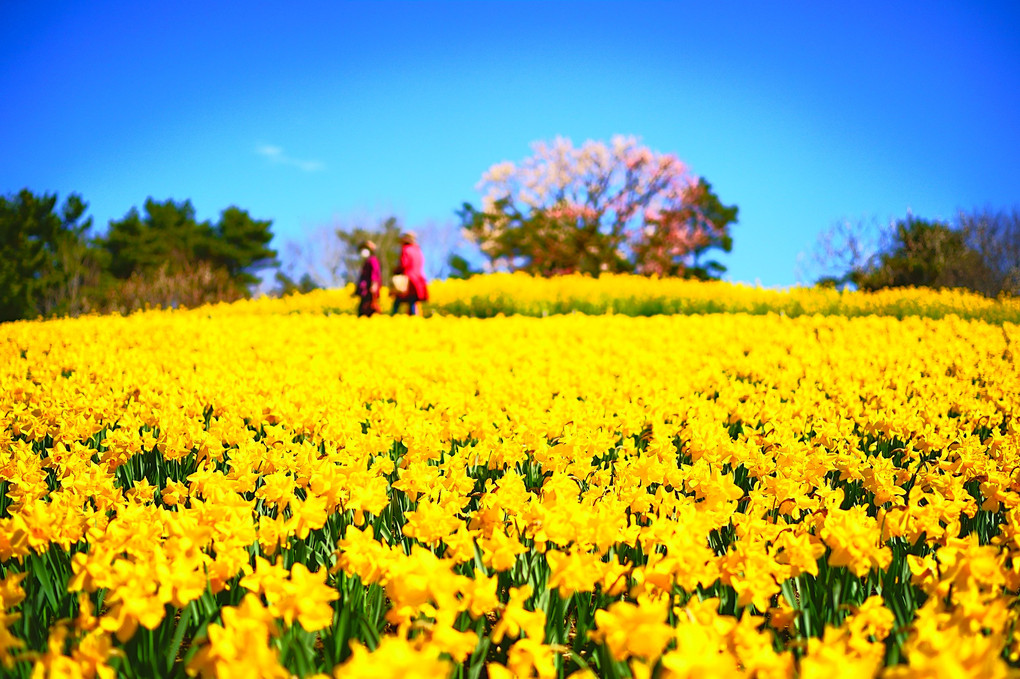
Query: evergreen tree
{"points": [[168, 235], [44, 254]]}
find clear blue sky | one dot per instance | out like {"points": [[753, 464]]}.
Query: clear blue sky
{"points": [[800, 113]]}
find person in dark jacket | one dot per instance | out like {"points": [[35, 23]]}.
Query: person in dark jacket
{"points": [[369, 281]]}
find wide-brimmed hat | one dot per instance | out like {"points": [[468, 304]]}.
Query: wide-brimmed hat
{"points": [[409, 237], [368, 244]]}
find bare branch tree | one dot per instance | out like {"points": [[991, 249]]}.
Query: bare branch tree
{"points": [[995, 236], [845, 248]]}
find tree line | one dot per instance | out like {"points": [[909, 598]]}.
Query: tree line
{"points": [[977, 250], [51, 263], [616, 207]]}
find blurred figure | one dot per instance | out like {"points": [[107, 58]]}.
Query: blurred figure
{"points": [[411, 265], [369, 281]]}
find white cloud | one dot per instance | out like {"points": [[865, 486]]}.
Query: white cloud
{"points": [[268, 150], [276, 155]]}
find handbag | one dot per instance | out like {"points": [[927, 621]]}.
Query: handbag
{"points": [[400, 283]]}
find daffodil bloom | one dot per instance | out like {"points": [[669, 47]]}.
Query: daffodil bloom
{"points": [[633, 629], [306, 598], [8, 642], [11, 591], [240, 645], [395, 657], [516, 619], [838, 654]]}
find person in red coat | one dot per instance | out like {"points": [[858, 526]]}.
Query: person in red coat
{"points": [[367, 289], [412, 265]]}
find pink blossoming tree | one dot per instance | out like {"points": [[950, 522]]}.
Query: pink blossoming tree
{"points": [[617, 207]]}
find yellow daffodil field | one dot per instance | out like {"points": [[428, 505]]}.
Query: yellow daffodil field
{"points": [[273, 489]]}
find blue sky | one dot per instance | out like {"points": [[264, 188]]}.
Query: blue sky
{"points": [[309, 114]]}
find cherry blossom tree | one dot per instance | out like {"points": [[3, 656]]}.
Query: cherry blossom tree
{"points": [[617, 207]]}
